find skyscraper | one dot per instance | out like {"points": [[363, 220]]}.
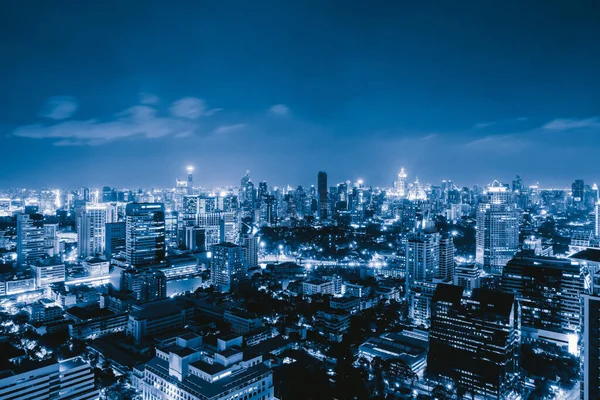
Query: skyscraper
{"points": [[115, 242], [30, 238], [422, 257], [548, 290], [250, 245], [145, 233], [190, 181], [446, 270], [400, 184], [497, 236], [474, 341], [92, 235], [590, 382], [228, 268], [578, 193], [322, 191]]}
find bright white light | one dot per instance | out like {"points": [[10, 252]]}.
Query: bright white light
{"points": [[190, 169]]}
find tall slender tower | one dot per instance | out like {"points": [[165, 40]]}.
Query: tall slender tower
{"points": [[597, 226], [322, 192], [401, 183], [190, 180]]}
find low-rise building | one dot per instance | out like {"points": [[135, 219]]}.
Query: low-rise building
{"points": [[92, 322], [242, 321]]}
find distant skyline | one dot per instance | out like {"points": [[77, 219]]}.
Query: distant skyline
{"points": [[127, 94]]}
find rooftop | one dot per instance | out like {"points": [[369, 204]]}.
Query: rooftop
{"points": [[588, 255]]}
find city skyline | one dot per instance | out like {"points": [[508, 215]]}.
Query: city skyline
{"points": [[358, 97]]}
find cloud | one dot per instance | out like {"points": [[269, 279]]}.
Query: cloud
{"points": [[149, 98], [498, 143], [483, 125], [188, 107], [139, 120], [228, 128], [429, 137], [572, 123], [60, 107], [279, 109]]}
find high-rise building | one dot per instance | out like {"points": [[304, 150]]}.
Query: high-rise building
{"points": [[171, 228], [590, 382], [474, 341], [91, 230], [250, 246], [115, 241], [145, 233], [228, 268], [190, 180], [68, 379], [446, 270], [468, 276], [400, 184], [497, 236], [422, 257], [322, 191], [30, 238], [51, 241], [578, 193], [548, 290]]}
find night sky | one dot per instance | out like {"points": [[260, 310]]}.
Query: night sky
{"points": [[127, 93]]}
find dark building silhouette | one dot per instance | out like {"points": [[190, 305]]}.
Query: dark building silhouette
{"points": [[145, 229], [322, 192], [474, 341], [115, 238]]}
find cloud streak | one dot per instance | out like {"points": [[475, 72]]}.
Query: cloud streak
{"points": [[572, 123], [279, 109], [59, 107]]}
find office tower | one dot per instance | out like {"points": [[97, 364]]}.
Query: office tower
{"points": [[190, 181], [263, 190], [30, 238], [145, 233], [474, 342], [84, 235], [590, 380], [194, 238], [51, 241], [422, 257], [85, 194], [171, 228], [420, 296], [578, 194], [108, 194], [467, 276], [400, 184], [497, 236], [93, 230], [68, 379], [147, 284], [517, 185], [227, 266], [548, 290], [115, 242], [322, 191], [446, 270], [201, 374], [250, 246]]}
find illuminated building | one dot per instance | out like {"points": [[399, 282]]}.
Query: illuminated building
{"points": [[467, 276], [497, 236], [68, 379], [322, 191], [190, 181], [548, 290], [228, 268], [400, 184], [187, 370], [145, 233], [30, 238], [146, 284], [115, 242], [155, 318], [422, 257], [416, 192], [420, 296], [590, 382], [51, 242], [47, 271], [250, 245], [91, 230], [578, 194], [474, 342], [446, 269], [194, 238], [171, 228]]}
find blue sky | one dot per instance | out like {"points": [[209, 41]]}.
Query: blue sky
{"points": [[126, 93]]}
